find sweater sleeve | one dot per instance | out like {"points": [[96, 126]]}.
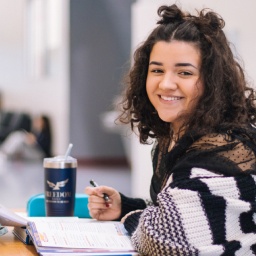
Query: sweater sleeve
{"points": [[132, 221], [198, 213], [131, 204]]}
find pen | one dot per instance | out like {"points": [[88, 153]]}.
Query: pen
{"points": [[105, 196]]}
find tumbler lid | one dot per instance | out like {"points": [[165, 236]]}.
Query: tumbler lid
{"points": [[60, 162]]}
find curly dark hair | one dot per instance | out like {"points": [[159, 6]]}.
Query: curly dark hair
{"points": [[227, 102]]}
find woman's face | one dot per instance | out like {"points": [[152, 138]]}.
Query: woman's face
{"points": [[38, 124], [173, 81]]}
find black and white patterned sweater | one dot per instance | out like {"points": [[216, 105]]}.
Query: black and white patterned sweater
{"points": [[204, 194]]}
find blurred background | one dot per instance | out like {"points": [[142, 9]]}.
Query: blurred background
{"points": [[67, 59]]}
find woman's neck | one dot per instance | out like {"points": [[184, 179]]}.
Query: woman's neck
{"points": [[177, 133]]}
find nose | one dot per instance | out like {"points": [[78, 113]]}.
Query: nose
{"points": [[168, 82]]}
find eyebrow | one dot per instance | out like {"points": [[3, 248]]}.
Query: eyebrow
{"points": [[176, 65]]}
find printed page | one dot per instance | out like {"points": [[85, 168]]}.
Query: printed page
{"points": [[81, 233]]}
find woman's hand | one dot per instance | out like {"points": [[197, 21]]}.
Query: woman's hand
{"points": [[99, 208]]}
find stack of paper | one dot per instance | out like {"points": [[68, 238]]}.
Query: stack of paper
{"points": [[53, 236]]}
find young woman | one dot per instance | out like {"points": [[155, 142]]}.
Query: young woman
{"points": [[187, 91]]}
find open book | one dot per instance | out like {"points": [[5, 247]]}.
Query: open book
{"points": [[69, 235], [58, 235]]}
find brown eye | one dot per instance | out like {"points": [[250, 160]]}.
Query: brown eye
{"points": [[156, 71], [185, 73]]}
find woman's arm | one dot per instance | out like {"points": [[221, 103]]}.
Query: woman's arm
{"points": [[131, 204], [198, 212]]}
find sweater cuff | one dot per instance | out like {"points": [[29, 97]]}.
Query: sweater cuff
{"points": [[131, 204], [132, 221]]}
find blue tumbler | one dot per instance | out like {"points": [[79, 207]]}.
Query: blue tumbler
{"points": [[60, 185]]}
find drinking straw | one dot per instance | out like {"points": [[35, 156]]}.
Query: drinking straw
{"points": [[68, 151]]}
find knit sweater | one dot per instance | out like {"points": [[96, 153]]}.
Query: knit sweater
{"points": [[204, 194]]}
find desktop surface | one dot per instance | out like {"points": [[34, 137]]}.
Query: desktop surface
{"points": [[12, 246]]}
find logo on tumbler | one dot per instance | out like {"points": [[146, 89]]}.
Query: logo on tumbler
{"points": [[58, 185]]}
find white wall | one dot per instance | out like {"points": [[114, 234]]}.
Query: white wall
{"points": [[20, 92], [240, 19]]}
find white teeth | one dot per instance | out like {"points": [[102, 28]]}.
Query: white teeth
{"points": [[170, 98]]}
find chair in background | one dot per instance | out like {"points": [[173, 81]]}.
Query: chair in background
{"points": [[13, 121]]}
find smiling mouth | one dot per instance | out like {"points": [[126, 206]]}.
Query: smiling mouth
{"points": [[170, 98]]}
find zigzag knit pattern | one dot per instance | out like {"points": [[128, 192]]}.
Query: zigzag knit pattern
{"points": [[200, 213]]}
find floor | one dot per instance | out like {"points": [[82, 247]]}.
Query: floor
{"points": [[19, 180]]}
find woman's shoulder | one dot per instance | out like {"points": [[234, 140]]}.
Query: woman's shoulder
{"points": [[226, 137], [233, 148]]}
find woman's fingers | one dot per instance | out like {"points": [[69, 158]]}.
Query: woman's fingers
{"points": [[98, 191], [100, 208]]}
